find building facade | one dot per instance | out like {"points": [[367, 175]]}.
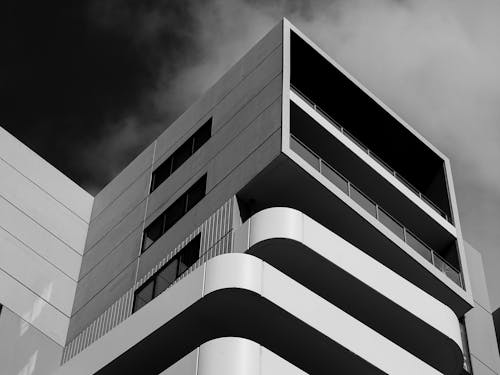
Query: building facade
{"points": [[287, 223]]}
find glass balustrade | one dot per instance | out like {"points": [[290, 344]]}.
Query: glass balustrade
{"points": [[374, 209], [372, 154]]}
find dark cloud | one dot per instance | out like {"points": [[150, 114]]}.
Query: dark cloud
{"points": [[72, 71], [88, 84]]}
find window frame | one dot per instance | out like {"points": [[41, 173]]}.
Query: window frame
{"points": [[191, 143], [181, 200], [194, 243]]}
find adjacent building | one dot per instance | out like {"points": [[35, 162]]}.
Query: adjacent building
{"points": [[287, 223]]}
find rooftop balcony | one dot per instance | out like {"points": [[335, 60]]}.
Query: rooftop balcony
{"points": [[370, 125]]}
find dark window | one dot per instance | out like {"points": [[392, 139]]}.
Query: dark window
{"points": [[144, 294], [196, 193], [202, 135], [153, 232], [190, 254], [166, 275], [182, 154], [174, 212]]}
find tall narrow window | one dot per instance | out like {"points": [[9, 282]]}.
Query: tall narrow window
{"points": [[183, 153], [174, 213], [166, 275]]}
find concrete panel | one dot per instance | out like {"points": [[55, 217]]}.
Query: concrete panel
{"points": [[33, 309], [38, 275], [112, 239], [102, 300], [41, 241], [219, 141], [43, 208], [225, 189], [479, 368], [229, 356], [482, 339], [221, 89], [248, 88], [121, 182], [107, 269], [223, 112], [48, 178], [117, 210], [248, 141], [232, 356], [477, 277], [24, 350]]}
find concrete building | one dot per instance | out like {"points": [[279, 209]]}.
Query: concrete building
{"points": [[287, 223]]}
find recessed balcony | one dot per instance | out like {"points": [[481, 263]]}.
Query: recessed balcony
{"points": [[374, 209], [290, 181], [370, 125]]}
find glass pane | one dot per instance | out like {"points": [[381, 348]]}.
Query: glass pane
{"points": [[153, 232], [189, 254], [175, 212], [418, 246], [304, 153], [166, 277], [181, 154], [144, 295], [449, 271], [196, 192], [202, 135], [138, 303], [363, 201], [391, 224], [334, 177], [161, 173]]}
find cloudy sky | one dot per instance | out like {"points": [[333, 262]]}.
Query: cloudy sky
{"points": [[88, 84]]}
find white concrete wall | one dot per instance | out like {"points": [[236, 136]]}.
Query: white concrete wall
{"points": [[479, 321], [43, 225]]}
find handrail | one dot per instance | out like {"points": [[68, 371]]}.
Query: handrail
{"points": [[373, 155], [405, 235]]}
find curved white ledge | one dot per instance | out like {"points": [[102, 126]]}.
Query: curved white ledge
{"points": [[240, 295], [232, 356], [349, 278]]}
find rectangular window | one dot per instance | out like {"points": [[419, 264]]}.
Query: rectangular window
{"points": [[166, 275], [174, 213], [183, 153]]}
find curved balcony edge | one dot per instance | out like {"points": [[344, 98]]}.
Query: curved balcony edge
{"points": [[240, 295], [352, 280]]}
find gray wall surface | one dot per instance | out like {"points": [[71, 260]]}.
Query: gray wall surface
{"points": [[479, 321], [245, 105], [43, 223]]}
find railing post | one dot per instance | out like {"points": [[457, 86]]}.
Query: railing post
{"points": [[404, 234], [376, 212]]}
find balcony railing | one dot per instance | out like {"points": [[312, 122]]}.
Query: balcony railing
{"points": [[375, 210], [374, 156]]}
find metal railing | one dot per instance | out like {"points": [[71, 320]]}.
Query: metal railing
{"points": [[375, 210], [373, 155]]}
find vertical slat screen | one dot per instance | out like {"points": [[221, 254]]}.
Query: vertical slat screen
{"points": [[216, 235]]}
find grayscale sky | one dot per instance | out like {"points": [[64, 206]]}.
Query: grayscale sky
{"points": [[88, 84]]}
